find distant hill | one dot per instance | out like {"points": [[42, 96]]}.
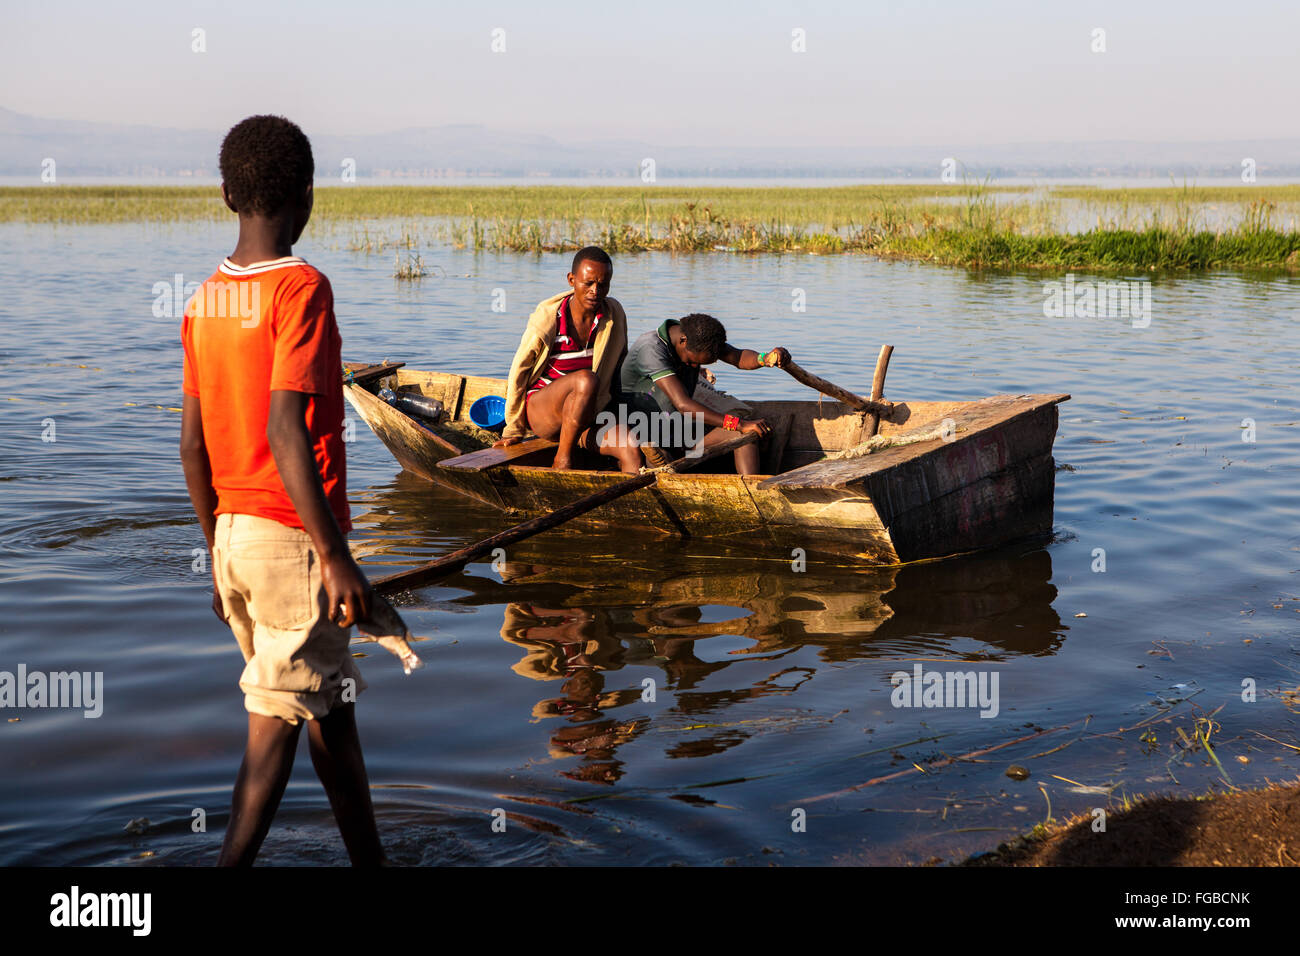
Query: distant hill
{"points": [[109, 149]]}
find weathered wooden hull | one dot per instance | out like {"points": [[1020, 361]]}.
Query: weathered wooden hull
{"points": [[989, 482]]}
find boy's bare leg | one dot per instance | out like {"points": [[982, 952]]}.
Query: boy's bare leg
{"points": [[746, 456], [746, 459], [263, 775], [336, 755], [617, 443]]}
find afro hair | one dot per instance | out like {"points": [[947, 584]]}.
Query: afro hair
{"points": [[704, 334], [266, 164]]}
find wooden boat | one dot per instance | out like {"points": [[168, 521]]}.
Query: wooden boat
{"points": [[961, 476]]}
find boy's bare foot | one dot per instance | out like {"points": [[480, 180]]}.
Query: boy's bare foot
{"points": [[655, 457]]}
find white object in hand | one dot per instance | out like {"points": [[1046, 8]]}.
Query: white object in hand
{"points": [[387, 629]]}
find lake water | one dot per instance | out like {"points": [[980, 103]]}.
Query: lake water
{"points": [[773, 687]]}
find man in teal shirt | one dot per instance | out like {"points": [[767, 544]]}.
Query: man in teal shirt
{"points": [[662, 370]]}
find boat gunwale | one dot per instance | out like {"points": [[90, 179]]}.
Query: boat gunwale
{"points": [[820, 405]]}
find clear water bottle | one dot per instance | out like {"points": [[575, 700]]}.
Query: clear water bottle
{"points": [[417, 406]]}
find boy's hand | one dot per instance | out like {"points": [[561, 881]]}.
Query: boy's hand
{"points": [[503, 442], [286, 433], [198, 479], [757, 426], [776, 358], [347, 590], [218, 607]]}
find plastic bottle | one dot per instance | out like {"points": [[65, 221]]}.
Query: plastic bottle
{"points": [[419, 406]]}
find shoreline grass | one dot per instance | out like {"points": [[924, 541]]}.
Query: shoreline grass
{"points": [[977, 225], [1250, 827]]}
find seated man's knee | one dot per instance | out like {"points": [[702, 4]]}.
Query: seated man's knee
{"points": [[584, 382]]}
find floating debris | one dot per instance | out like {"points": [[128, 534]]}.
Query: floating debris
{"points": [[1103, 790], [1017, 772]]}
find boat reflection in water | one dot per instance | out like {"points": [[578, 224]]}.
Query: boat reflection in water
{"points": [[577, 646], [581, 607]]}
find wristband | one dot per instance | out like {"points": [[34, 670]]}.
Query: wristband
{"points": [[731, 423], [762, 359]]}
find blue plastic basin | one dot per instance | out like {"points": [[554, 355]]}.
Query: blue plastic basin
{"points": [[488, 412]]}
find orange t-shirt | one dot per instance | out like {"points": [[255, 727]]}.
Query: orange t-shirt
{"points": [[248, 331]]}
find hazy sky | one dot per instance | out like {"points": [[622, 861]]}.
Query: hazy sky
{"points": [[873, 74]]}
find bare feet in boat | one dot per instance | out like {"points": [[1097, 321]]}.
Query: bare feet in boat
{"points": [[655, 457]]}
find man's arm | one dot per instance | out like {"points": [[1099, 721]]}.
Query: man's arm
{"points": [[286, 432], [517, 384], [198, 470], [198, 479], [672, 386], [749, 359]]}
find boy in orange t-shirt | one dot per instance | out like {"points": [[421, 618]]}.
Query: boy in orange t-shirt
{"points": [[262, 449]]}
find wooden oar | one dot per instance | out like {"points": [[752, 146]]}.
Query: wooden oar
{"points": [[842, 394], [451, 563]]}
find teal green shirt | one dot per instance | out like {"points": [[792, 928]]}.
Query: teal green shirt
{"points": [[651, 358]]}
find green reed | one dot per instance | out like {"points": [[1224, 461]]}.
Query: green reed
{"points": [[975, 224]]}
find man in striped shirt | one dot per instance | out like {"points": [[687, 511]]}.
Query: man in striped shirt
{"points": [[564, 370]]}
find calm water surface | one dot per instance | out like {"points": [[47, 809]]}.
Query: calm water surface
{"points": [[772, 687]]}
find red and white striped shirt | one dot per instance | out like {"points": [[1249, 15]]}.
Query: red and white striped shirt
{"points": [[566, 355]]}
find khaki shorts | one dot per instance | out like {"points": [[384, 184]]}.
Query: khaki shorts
{"points": [[296, 658]]}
